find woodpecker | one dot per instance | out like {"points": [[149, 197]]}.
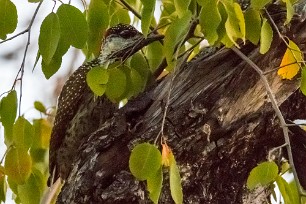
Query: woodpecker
{"points": [[78, 109]]}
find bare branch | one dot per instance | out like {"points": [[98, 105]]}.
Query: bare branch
{"points": [[21, 69], [131, 9], [280, 116]]}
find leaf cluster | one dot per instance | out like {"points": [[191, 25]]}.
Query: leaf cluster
{"points": [[24, 169], [268, 173], [146, 164]]}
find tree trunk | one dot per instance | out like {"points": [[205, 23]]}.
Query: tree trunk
{"points": [[220, 124]]}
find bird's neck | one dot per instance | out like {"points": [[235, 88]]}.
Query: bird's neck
{"points": [[112, 45]]}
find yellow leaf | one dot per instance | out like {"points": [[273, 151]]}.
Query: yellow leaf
{"points": [[166, 152], [18, 165], [289, 65], [241, 20]]}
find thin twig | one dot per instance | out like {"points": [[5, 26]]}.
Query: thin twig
{"points": [[174, 73], [276, 68], [191, 48], [54, 5], [5, 153], [166, 106], [279, 114], [11, 38], [21, 69], [164, 64], [282, 37], [131, 9], [275, 26], [277, 111], [4, 93], [274, 149]]}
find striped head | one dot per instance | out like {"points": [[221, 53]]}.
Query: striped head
{"points": [[118, 38]]}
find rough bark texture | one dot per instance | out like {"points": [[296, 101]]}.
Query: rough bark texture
{"points": [[220, 124]]}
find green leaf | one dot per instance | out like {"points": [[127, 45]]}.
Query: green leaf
{"points": [[303, 81], [210, 19], [294, 192], [31, 191], [263, 174], [18, 164], [42, 133], [8, 18], [62, 48], [147, 14], [259, 4], [154, 183], [51, 68], [98, 20], [3, 185], [290, 11], [285, 166], [145, 161], [34, 1], [253, 25], [241, 20], [181, 7], [223, 38], [38, 155], [303, 199], [169, 9], [154, 54], [139, 63], [120, 15], [287, 192], [174, 34], [13, 185], [175, 181], [97, 79], [39, 106], [74, 28], [49, 37], [116, 84], [266, 37], [138, 82], [23, 133], [38, 55], [8, 110], [129, 88], [232, 26]]}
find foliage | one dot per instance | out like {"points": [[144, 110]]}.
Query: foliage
{"points": [[265, 174], [146, 163], [220, 22]]}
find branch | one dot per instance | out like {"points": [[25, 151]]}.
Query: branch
{"points": [[282, 37], [21, 69], [131, 9], [283, 124]]}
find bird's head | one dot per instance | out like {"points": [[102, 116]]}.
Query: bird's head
{"points": [[118, 38]]}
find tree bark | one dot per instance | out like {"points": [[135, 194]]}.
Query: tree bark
{"points": [[220, 124]]}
